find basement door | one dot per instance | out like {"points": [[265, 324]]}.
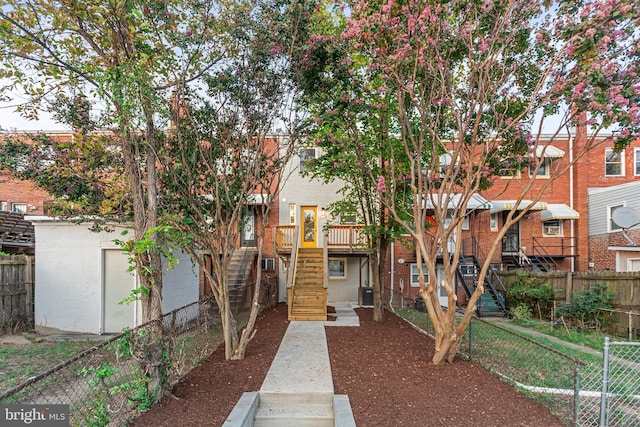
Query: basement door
{"points": [[442, 292], [511, 239], [117, 285], [249, 229]]}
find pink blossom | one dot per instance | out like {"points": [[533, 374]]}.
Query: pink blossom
{"points": [[381, 186], [387, 7], [483, 47], [590, 32]]}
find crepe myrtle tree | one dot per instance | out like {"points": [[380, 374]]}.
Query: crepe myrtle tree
{"points": [[353, 132], [223, 158], [475, 82], [125, 56]]}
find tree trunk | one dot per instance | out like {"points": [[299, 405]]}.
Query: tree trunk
{"points": [[248, 331], [378, 261], [149, 263]]}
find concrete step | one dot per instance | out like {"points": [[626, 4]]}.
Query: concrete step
{"points": [[295, 409], [309, 317]]}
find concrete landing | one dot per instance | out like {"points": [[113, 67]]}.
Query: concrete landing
{"points": [[345, 316]]}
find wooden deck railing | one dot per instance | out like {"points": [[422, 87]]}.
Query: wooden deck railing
{"points": [[349, 237]]}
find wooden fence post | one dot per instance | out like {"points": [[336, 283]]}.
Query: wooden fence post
{"points": [[29, 287], [569, 288]]}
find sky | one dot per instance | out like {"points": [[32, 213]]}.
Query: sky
{"points": [[10, 120]]}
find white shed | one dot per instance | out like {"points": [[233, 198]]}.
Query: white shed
{"points": [[81, 277]]}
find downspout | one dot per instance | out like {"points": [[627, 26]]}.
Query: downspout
{"points": [[393, 272], [571, 202]]}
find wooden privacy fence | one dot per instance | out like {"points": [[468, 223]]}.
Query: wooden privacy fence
{"points": [[624, 286], [16, 293]]}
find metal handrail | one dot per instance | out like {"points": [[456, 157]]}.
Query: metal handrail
{"points": [[562, 246]]}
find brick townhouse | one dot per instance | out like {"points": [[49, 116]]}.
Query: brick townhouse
{"points": [[569, 228]]}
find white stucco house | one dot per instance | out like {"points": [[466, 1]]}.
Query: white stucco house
{"points": [[81, 277], [303, 202]]}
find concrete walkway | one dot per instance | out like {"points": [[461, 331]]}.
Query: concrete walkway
{"points": [[298, 389]]}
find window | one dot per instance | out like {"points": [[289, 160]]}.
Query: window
{"points": [[446, 159], [508, 170], [465, 222], [613, 162], [307, 155], [348, 219], [543, 171], [337, 268], [268, 264], [292, 214], [493, 222], [4, 206], [552, 228], [636, 162], [19, 207], [612, 226], [414, 275]]}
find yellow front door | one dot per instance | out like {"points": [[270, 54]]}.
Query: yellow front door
{"points": [[309, 226]]}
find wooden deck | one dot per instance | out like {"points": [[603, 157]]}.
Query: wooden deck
{"points": [[339, 239]]}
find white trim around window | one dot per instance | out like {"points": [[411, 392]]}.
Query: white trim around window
{"points": [[613, 162], [19, 208], [414, 275], [553, 228], [306, 155], [493, 221], [612, 226], [545, 168], [337, 268], [636, 162]]}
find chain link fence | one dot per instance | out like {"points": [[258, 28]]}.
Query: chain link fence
{"points": [[614, 396], [107, 384], [540, 372], [602, 390]]}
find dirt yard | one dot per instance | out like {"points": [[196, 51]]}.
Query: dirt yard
{"points": [[384, 368]]}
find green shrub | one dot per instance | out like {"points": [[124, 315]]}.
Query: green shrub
{"points": [[529, 292], [585, 310], [521, 313]]}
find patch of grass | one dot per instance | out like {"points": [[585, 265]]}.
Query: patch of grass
{"points": [[19, 363], [592, 339]]}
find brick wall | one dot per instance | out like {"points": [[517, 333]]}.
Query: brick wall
{"points": [[15, 194]]}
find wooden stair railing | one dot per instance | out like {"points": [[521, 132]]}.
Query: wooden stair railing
{"points": [[291, 271]]}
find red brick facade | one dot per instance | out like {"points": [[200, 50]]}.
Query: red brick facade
{"points": [[572, 248]]}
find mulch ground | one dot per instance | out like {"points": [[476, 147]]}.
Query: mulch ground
{"points": [[384, 368]]}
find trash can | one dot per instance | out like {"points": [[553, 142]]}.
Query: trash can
{"points": [[367, 295]]}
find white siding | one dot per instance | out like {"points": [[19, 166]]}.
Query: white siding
{"points": [[601, 198]]}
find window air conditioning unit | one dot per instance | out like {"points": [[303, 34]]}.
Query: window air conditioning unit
{"points": [[552, 230]]}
